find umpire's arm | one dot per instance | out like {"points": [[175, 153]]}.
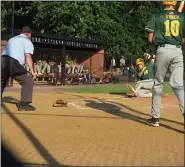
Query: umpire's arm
{"points": [[29, 62], [29, 48]]}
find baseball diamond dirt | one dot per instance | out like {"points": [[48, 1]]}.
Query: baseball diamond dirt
{"points": [[94, 130]]}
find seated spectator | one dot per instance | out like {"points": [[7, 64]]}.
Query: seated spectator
{"points": [[38, 67], [115, 76], [53, 67], [86, 72], [78, 66], [86, 69], [55, 72], [45, 67], [74, 66], [68, 64], [93, 79]]}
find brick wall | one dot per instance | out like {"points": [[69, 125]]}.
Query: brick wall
{"points": [[3, 44], [97, 66]]}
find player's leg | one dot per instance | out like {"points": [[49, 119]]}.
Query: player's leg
{"points": [[44, 68], [144, 88], [38, 67], [49, 69], [176, 78], [144, 93], [26, 82], [4, 73], [162, 61], [146, 84]]}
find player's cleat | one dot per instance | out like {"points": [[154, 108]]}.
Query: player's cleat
{"points": [[131, 89], [153, 122], [25, 107]]}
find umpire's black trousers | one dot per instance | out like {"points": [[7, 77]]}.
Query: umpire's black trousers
{"points": [[12, 68]]}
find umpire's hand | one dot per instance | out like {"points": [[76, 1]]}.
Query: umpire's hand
{"points": [[34, 76]]}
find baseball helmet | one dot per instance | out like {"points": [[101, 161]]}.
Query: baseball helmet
{"points": [[168, 2], [140, 61]]}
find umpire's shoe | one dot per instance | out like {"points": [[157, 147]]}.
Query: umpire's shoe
{"points": [[153, 122], [25, 107]]}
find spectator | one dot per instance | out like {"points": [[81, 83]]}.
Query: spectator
{"points": [[68, 64], [78, 67], [45, 67], [38, 67], [113, 63], [122, 62], [86, 72]]}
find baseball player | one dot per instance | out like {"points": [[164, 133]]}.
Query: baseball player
{"points": [[166, 31], [144, 85], [17, 50]]}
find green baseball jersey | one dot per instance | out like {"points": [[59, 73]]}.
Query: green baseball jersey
{"points": [[143, 75], [167, 27], [150, 66], [86, 68], [68, 60]]}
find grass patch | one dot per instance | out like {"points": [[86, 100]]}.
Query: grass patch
{"points": [[109, 88]]}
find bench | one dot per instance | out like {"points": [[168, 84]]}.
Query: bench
{"points": [[43, 77]]}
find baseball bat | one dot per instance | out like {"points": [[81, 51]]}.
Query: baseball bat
{"points": [[181, 6]]}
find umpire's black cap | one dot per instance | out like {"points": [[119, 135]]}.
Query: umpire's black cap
{"points": [[26, 29]]}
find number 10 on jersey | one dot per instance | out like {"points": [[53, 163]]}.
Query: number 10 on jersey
{"points": [[172, 28]]}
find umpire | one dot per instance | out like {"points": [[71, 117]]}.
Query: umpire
{"points": [[18, 50]]}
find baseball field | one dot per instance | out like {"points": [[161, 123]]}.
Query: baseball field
{"points": [[96, 129]]}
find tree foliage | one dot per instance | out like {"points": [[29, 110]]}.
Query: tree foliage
{"points": [[120, 25]]}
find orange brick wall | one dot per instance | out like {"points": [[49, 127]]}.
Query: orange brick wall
{"points": [[97, 66], [3, 44], [86, 61]]}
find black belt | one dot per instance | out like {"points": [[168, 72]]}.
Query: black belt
{"points": [[177, 46]]}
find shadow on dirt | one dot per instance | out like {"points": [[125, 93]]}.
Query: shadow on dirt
{"points": [[107, 107], [9, 159]]}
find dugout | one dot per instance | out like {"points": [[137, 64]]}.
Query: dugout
{"points": [[56, 47]]}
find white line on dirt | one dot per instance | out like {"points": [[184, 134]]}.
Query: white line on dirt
{"points": [[77, 106], [111, 108]]}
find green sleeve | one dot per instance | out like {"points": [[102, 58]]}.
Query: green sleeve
{"points": [[146, 74], [150, 68], [151, 24]]}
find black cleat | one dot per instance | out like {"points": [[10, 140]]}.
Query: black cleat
{"points": [[25, 107], [153, 122]]}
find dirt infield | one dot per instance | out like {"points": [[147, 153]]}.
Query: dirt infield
{"points": [[94, 130]]}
